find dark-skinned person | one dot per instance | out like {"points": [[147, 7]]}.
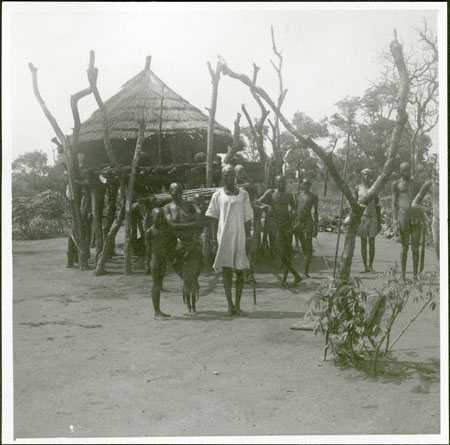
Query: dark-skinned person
{"points": [[231, 216], [280, 205]]}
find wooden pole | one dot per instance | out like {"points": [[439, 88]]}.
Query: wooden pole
{"points": [[341, 206], [215, 77], [98, 203], [130, 195], [73, 174], [92, 73], [160, 127]]}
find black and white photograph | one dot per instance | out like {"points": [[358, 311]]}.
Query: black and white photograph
{"points": [[221, 222]]}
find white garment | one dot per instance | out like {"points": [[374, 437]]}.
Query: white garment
{"points": [[232, 212]]}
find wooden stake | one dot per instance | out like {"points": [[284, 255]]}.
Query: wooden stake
{"points": [[130, 195], [215, 77], [160, 127]]}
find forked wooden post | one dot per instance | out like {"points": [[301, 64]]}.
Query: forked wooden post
{"points": [[130, 195], [215, 77]]}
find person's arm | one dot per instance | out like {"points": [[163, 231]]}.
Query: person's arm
{"points": [[177, 225], [265, 200], [395, 205], [214, 226], [416, 204]]}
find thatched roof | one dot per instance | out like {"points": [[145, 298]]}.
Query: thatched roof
{"points": [[140, 99]]}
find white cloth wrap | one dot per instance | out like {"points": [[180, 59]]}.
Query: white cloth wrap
{"points": [[232, 212]]}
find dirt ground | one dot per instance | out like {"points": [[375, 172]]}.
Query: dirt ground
{"points": [[90, 360]]}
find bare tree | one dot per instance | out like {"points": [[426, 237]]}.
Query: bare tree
{"points": [[257, 129], [69, 149], [215, 77], [281, 96], [92, 73], [422, 63], [356, 209]]}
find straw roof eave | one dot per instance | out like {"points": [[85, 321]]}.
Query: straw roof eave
{"points": [[140, 100]]}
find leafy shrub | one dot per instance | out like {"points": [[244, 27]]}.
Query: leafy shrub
{"points": [[42, 216], [358, 323]]}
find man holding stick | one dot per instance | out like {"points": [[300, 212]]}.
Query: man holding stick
{"points": [[280, 205], [231, 215]]}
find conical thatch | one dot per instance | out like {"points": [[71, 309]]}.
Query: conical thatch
{"points": [[140, 99]]}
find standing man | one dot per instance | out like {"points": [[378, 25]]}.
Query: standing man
{"points": [[280, 205], [407, 219], [159, 242], [307, 225], [431, 187], [370, 224], [231, 216], [185, 220]]}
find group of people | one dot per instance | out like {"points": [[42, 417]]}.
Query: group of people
{"points": [[177, 231]]}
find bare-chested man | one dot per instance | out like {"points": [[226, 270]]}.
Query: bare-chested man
{"points": [[431, 187], [307, 225], [370, 224], [407, 219], [159, 240], [281, 205], [185, 220]]}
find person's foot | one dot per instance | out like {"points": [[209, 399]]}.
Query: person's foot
{"points": [[69, 266], [230, 311], [161, 316], [193, 313], [371, 269], [365, 270], [239, 312], [297, 280], [284, 284]]}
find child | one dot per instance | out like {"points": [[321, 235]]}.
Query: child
{"points": [[159, 241]]}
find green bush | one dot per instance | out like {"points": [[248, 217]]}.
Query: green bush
{"points": [[358, 323], [42, 216]]}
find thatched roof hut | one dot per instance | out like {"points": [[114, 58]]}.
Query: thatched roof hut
{"points": [[171, 121]]}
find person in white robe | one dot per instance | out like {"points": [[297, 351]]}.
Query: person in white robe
{"points": [[231, 215]]}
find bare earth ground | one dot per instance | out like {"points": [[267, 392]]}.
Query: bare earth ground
{"points": [[90, 360]]}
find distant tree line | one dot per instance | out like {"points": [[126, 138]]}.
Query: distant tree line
{"points": [[39, 206]]}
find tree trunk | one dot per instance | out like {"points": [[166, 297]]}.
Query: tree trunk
{"points": [[98, 203], [71, 163], [345, 264], [325, 184], [129, 199], [109, 240], [215, 77], [112, 191], [401, 119]]}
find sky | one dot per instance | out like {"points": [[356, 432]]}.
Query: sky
{"points": [[328, 54]]}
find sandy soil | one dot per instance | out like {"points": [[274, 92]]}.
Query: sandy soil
{"points": [[90, 360]]}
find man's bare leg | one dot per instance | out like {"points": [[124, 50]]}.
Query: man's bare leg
{"points": [[364, 253], [308, 254], [228, 284], [284, 279], [156, 293], [158, 272], [239, 288], [371, 252], [404, 238], [297, 277], [415, 248]]}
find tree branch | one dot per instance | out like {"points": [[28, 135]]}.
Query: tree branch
{"points": [[401, 119], [48, 115], [308, 142]]}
